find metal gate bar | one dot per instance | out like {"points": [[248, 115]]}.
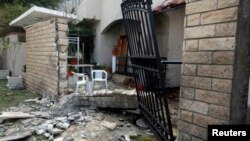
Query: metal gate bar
{"points": [[148, 71]]}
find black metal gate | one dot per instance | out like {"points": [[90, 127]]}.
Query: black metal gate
{"points": [[148, 70]]}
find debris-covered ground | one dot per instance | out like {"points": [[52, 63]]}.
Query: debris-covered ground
{"points": [[43, 119], [34, 120]]}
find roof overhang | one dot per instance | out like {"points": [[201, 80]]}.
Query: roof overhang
{"points": [[38, 14]]}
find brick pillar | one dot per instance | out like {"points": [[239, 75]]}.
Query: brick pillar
{"points": [[207, 71], [46, 65]]}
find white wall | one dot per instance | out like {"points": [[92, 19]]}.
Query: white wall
{"points": [[175, 45], [20, 55], [110, 13]]}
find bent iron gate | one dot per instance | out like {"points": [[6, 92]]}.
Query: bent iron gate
{"points": [[148, 70]]}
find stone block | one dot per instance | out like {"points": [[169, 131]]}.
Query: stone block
{"points": [[193, 20], [63, 42], [192, 45], [218, 16], [62, 21], [212, 97], [218, 111], [222, 85], [225, 29], [199, 32], [188, 93], [204, 121], [63, 56], [186, 116], [195, 106], [201, 6], [217, 44], [219, 71], [62, 27], [192, 129], [62, 34], [197, 57], [196, 82], [63, 48], [227, 3], [223, 57], [189, 69]]}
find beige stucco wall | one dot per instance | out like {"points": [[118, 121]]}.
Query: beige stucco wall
{"points": [[106, 14]]}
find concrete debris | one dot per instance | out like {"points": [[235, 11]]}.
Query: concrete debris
{"points": [[47, 135], [109, 125], [141, 123], [40, 132], [14, 115], [36, 100], [26, 122]]}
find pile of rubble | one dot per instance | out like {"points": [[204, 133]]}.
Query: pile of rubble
{"points": [[37, 119]]}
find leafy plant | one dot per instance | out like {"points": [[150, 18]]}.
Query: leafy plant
{"points": [[8, 12], [10, 9], [85, 27]]}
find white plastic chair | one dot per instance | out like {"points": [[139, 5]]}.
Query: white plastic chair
{"points": [[79, 82], [99, 75]]}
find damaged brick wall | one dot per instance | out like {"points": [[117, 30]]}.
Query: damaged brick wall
{"points": [[46, 65], [207, 71]]}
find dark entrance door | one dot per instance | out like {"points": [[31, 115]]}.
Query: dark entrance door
{"points": [[148, 71]]}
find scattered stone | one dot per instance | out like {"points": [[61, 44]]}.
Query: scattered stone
{"points": [[64, 125], [17, 136], [40, 132], [36, 122], [68, 138], [140, 122], [81, 119], [61, 119], [127, 137], [26, 122], [74, 117], [51, 138], [108, 125], [47, 135], [56, 131], [50, 127]]}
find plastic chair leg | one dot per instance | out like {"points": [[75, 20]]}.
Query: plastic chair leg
{"points": [[77, 88]]}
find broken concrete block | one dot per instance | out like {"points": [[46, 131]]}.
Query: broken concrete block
{"points": [[108, 125], [14, 115]]}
